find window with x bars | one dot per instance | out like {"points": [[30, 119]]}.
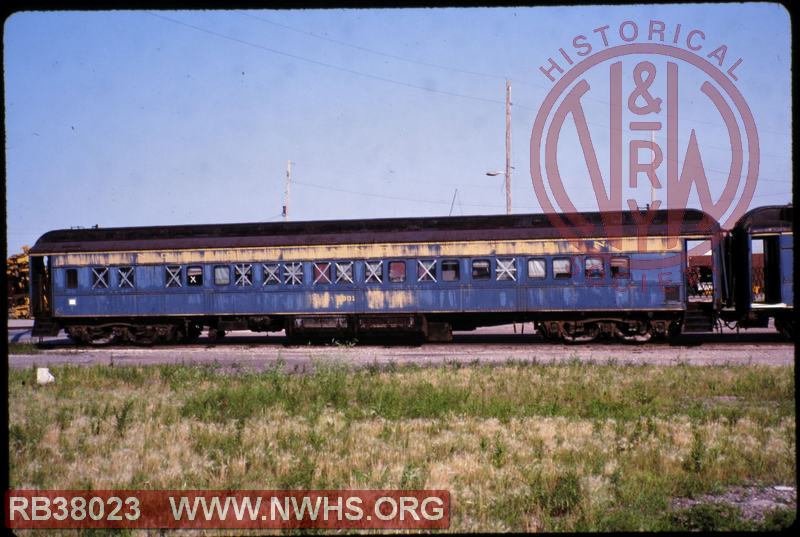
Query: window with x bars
{"points": [[344, 272], [99, 278], [125, 276], [294, 273], [272, 273], [322, 273], [243, 275], [373, 272], [174, 276], [426, 271], [506, 269]]}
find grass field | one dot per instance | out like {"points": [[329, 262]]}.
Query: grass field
{"points": [[521, 447]]}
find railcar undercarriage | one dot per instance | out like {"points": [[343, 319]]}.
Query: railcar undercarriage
{"points": [[412, 327]]}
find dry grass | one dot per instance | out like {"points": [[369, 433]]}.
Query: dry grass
{"points": [[520, 447]]}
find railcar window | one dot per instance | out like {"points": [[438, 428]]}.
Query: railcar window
{"points": [[174, 276], [451, 270], [426, 270], [243, 274], [344, 272], [481, 269], [536, 268], [397, 271], [294, 273], [562, 268], [593, 267], [620, 267], [322, 273], [99, 278], [272, 273], [72, 278], [126, 278], [194, 276], [222, 275], [506, 269], [374, 272]]}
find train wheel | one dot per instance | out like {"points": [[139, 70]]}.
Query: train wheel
{"points": [[99, 338], [193, 331], [642, 333], [215, 333], [144, 335], [570, 333]]}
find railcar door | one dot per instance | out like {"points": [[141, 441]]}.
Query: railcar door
{"points": [[766, 270], [699, 283], [40, 287]]}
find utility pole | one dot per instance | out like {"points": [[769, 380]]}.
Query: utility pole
{"points": [[508, 147], [287, 191]]}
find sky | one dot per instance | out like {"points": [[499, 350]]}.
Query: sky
{"points": [[134, 118]]}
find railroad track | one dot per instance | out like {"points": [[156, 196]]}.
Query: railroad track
{"points": [[487, 346]]}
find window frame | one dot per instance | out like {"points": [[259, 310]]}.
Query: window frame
{"points": [[586, 274], [627, 274], [189, 277], [397, 262], [228, 272], [544, 268], [567, 275], [457, 264], [488, 269], [67, 272]]}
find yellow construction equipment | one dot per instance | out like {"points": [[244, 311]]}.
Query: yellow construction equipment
{"points": [[17, 276]]}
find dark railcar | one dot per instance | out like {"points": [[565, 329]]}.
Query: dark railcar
{"points": [[761, 265]]}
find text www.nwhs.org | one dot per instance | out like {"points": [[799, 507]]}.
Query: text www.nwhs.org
{"points": [[409, 509], [386, 508]]}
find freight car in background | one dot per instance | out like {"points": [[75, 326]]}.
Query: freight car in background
{"points": [[422, 277]]}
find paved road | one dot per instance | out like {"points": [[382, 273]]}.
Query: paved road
{"points": [[486, 345]]}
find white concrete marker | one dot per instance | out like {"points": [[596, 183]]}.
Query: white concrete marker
{"points": [[43, 376]]}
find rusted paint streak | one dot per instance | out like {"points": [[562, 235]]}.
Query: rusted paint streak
{"points": [[379, 299], [371, 251]]}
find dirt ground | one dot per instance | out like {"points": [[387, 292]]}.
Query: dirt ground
{"points": [[493, 345], [753, 502]]}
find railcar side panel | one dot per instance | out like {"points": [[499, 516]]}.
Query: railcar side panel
{"points": [[786, 243]]}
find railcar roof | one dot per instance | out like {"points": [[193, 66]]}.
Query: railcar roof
{"points": [[367, 231], [771, 218]]}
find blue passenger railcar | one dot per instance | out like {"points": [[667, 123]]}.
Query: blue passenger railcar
{"points": [[425, 275]]}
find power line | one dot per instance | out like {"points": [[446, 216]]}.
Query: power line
{"points": [[380, 78], [373, 51], [320, 63], [398, 198], [446, 67]]}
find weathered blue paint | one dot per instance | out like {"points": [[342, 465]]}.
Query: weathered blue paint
{"points": [[642, 290]]}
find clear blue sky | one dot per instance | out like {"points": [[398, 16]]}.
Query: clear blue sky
{"points": [[128, 118]]}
